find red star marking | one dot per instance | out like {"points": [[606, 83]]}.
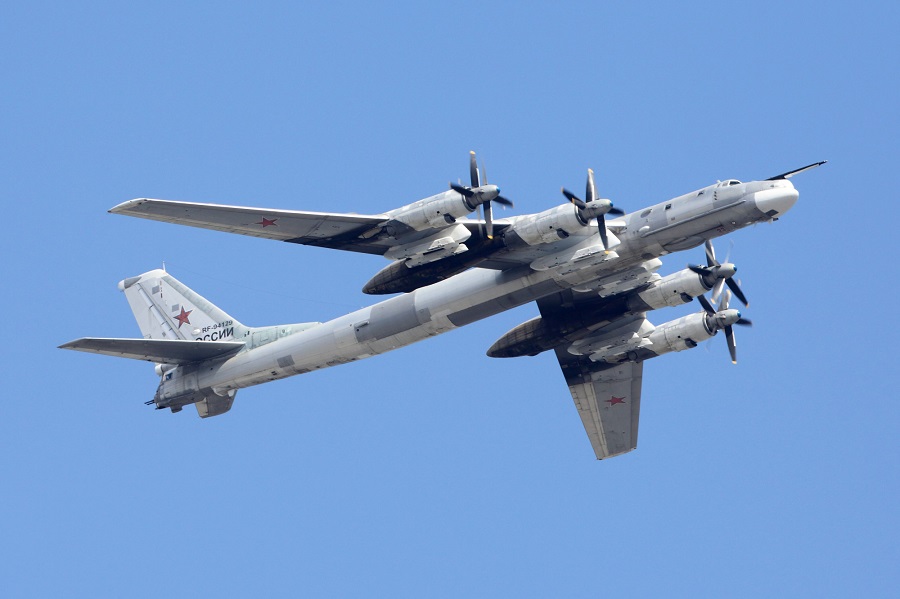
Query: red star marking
{"points": [[613, 400], [265, 222], [183, 317]]}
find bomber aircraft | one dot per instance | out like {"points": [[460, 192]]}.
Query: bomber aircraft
{"points": [[594, 280]]}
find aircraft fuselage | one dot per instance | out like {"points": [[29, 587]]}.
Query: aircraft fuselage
{"points": [[572, 261]]}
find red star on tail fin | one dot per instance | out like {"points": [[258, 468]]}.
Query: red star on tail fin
{"points": [[183, 317]]}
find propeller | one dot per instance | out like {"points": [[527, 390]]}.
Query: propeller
{"points": [[479, 194], [724, 319], [718, 274], [592, 207]]}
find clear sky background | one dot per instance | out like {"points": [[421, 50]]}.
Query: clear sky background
{"points": [[434, 470]]}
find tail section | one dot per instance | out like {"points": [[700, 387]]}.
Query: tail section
{"points": [[181, 332], [165, 308]]}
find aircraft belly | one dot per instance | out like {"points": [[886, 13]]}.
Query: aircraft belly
{"points": [[391, 324]]}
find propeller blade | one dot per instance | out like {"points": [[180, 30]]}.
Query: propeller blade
{"points": [[710, 254], [717, 290], [573, 198], [601, 226], [462, 189], [706, 305], [735, 288], [488, 222], [700, 270], [473, 171], [616, 211], [503, 201], [726, 299], [728, 253], [483, 227], [732, 346], [744, 322], [590, 192]]}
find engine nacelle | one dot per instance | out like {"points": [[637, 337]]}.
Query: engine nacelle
{"points": [[631, 336], [680, 334], [673, 290], [435, 247], [548, 226], [435, 212], [648, 342]]}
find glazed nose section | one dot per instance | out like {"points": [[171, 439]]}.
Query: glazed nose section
{"points": [[776, 201]]}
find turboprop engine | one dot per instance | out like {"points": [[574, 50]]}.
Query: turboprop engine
{"points": [[677, 335], [673, 290], [541, 334], [431, 213], [443, 209], [562, 221]]}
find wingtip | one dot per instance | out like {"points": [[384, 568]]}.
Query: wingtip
{"points": [[126, 206]]}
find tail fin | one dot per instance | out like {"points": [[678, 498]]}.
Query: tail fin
{"points": [[165, 308]]}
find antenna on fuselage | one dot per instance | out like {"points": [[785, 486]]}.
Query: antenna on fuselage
{"points": [[790, 174]]}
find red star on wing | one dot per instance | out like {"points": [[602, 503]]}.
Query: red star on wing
{"points": [[265, 222], [183, 317], [613, 400]]}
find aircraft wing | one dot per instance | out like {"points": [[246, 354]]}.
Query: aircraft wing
{"points": [[163, 351], [324, 229], [607, 396], [608, 399], [352, 232]]}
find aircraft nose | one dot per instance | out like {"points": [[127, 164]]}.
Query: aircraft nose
{"points": [[776, 201]]}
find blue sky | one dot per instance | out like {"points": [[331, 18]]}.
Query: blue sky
{"points": [[434, 470]]}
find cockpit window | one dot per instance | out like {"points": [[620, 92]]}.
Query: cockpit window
{"points": [[734, 182]]}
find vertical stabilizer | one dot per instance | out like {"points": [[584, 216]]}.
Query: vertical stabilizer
{"points": [[165, 308]]}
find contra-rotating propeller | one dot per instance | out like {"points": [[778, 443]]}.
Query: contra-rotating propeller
{"points": [[592, 207], [724, 319], [479, 194], [717, 274]]}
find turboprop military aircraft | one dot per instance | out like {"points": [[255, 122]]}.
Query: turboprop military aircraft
{"points": [[590, 267]]}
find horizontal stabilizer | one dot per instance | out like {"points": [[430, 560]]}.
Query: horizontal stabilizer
{"points": [[164, 351]]}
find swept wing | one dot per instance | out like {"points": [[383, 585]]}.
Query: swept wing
{"points": [[608, 399], [325, 229], [352, 232], [607, 396]]}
